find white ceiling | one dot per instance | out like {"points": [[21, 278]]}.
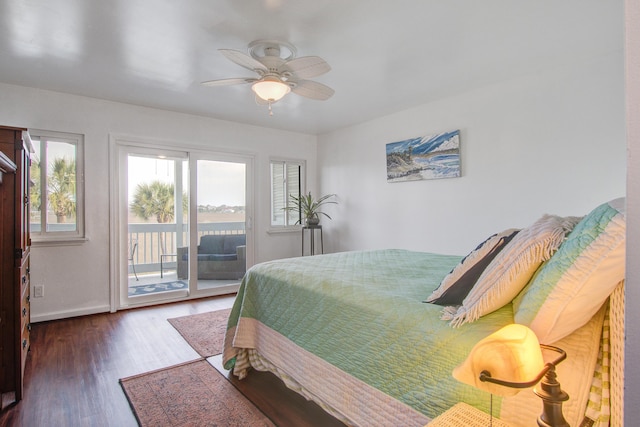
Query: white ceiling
{"points": [[386, 56]]}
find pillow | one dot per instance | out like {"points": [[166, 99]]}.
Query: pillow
{"points": [[512, 268], [571, 287], [457, 284]]}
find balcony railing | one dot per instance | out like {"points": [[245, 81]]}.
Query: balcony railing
{"points": [[156, 240]]}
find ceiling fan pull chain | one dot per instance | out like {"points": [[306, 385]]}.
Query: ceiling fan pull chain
{"points": [[270, 111]]}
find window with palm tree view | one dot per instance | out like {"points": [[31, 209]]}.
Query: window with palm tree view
{"points": [[56, 186]]}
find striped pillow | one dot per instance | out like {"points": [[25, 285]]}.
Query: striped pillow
{"points": [[571, 287], [456, 285]]}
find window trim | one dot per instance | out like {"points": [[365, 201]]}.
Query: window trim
{"points": [[274, 228], [77, 236]]}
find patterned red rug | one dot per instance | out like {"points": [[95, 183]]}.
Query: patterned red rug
{"points": [[190, 394], [204, 332]]}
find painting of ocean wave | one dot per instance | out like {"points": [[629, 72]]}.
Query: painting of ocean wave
{"points": [[426, 157]]}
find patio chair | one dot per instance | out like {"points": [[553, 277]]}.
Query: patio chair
{"points": [[132, 254]]}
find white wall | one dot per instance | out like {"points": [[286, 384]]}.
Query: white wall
{"points": [[551, 142], [632, 289], [76, 278]]}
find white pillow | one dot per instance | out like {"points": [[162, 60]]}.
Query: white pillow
{"points": [[571, 287], [512, 268]]}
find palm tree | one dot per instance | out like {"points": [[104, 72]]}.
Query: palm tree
{"points": [[34, 188], [155, 199], [62, 188]]}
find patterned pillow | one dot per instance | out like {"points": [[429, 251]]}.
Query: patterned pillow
{"points": [[571, 287], [456, 285], [512, 268]]}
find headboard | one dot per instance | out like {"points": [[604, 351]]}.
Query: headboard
{"points": [[616, 318]]}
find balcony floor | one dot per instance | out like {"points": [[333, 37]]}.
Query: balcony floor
{"points": [[149, 283]]}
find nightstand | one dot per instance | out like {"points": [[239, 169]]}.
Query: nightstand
{"points": [[463, 415]]}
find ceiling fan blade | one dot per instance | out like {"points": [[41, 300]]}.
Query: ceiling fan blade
{"points": [[228, 82], [308, 66], [243, 60], [313, 90]]}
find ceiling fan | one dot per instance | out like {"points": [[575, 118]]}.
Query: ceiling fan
{"points": [[279, 72]]}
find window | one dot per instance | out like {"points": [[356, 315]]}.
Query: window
{"points": [[286, 181], [57, 191]]}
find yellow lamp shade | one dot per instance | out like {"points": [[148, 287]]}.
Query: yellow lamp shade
{"points": [[511, 354]]}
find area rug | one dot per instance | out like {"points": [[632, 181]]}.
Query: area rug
{"points": [[157, 287], [189, 394], [204, 332]]}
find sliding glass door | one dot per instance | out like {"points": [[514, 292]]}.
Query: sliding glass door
{"points": [[220, 218], [156, 224], [162, 194]]}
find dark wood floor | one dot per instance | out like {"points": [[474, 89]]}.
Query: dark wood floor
{"points": [[74, 365]]}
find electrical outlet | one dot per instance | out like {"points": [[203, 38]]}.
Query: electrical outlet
{"points": [[38, 291]]}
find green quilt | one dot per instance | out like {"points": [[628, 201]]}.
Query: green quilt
{"points": [[362, 312]]}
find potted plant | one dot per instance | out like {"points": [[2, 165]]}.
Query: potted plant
{"points": [[309, 207]]}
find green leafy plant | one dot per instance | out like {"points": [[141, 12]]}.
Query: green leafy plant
{"points": [[155, 199], [62, 188], [309, 207]]}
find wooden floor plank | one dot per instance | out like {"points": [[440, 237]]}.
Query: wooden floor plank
{"points": [[73, 368]]}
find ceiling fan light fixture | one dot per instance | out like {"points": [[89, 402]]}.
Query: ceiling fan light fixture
{"points": [[271, 89], [278, 71]]}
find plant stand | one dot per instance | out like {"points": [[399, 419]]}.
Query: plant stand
{"points": [[311, 229]]}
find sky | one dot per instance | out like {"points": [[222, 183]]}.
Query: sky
{"points": [[219, 183]]}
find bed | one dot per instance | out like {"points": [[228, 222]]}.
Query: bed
{"points": [[358, 332]]}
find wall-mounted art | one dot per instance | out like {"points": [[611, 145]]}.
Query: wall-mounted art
{"points": [[426, 157]]}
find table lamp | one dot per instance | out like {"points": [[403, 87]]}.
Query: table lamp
{"points": [[510, 360]]}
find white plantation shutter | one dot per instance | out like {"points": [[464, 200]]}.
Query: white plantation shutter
{"points": [[278, 191], [285, 182], [293, 188]]}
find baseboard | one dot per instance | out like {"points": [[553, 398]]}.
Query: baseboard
{"points": [[69, 313]]}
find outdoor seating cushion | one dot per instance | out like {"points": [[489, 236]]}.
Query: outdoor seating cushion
{"points": [[217, 257], [220, 256], [211, 244], [231, 242], [220, 247]]}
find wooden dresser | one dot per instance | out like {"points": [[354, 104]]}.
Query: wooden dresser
{"points": [[15, 148]]}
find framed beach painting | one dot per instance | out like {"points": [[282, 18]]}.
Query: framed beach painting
{"points": [[426, 157]]}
